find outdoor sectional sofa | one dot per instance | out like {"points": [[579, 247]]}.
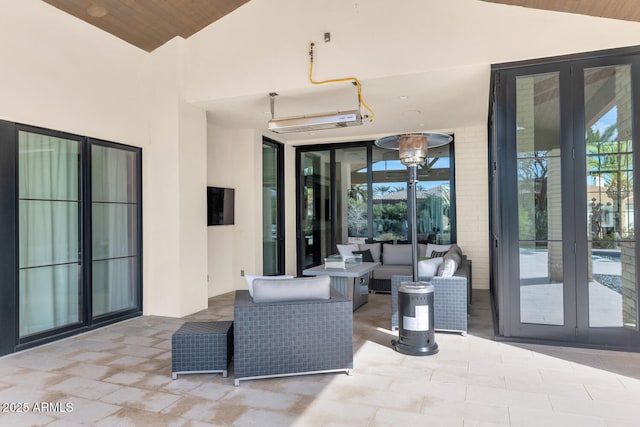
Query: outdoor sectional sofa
{"points": [[395, 259], [283, 334], [451, 299]]}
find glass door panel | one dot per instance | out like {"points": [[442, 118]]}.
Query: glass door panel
{"points": [[610, 204], [316, 207], [435, 211], [539, 204], [114, 220], [389, 196], [272, 240], [352, 195], [49, 233]]}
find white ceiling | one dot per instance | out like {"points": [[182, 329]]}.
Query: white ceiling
{"points": [[437, 53]]}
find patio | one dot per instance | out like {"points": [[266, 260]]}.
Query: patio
{"points": [[121, 375]]}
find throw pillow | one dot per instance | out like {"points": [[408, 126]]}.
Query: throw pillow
{"points": [[347, 250], [375, 248], [366, 255], [436, 254], [251, 278], [448, 267], [429, 267], [438, 248]]}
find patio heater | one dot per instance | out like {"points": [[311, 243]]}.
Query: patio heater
{"points": [[416, 336]]}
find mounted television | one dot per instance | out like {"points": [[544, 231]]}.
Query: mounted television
{"points": [[220, 206]]}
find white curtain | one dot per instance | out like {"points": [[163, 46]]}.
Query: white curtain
{"points": [[114, 229], [49, 253]]}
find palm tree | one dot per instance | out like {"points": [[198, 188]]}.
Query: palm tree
{"points": [[357, 192], [611, 160]]}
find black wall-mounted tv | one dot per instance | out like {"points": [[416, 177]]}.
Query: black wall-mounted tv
{"points": [[220, 206]]}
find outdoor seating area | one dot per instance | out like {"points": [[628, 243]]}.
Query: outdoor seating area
{"points": [[361, 217]]}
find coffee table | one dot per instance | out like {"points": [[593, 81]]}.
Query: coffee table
{"points": [[352, 281]]}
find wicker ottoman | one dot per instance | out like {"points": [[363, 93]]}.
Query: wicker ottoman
{"points": [[201, 347]]}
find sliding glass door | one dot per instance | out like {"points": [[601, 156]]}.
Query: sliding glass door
{"points": [[50, 213], [357, 192], [71, 234]]}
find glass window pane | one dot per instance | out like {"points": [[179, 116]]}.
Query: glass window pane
{"points": [[610, 205], [352, 195], [434, 198], [121, 186], [114, 230], [538, 114], [48, 167], [114, 216], [541, 286], [114, 285], [389, 196], [49, 232], [270, 213], [538, 137], [316, 198], [49, 298]]}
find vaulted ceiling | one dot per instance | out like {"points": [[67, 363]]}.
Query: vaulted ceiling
{"points": [[148, 24]]}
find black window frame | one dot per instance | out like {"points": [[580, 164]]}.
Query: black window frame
{"points": [[331, 148]]}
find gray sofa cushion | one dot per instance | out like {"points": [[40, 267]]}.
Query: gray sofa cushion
{"points": [[400, 254], [298, 289], [396, 254], [250, 278], [385, 271]]}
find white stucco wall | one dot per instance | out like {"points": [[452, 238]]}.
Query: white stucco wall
{"points": [[234, 159], [61, 73]]}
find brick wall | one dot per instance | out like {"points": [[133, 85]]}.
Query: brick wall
{"points": [[472, 199]]}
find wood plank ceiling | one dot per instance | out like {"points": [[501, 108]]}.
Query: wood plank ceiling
{"points": [[627, 10], [148, 24]]}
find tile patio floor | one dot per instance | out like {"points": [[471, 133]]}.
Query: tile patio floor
{"points": [[121, 375]]}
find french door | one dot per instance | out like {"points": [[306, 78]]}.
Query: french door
{"points": [[564, 201]]}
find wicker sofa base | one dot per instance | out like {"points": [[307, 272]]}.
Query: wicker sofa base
{"points": [[450, 299], [291, 338]]}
